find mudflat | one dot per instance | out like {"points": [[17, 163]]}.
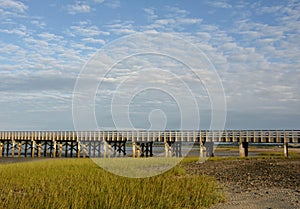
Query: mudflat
{"points": [[255, 183]]}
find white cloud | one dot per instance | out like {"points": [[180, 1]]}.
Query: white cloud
{"points": [[114, 4], [86, 30], [78, 7], [175, 19], [13, 5], [270, 9], [188, 21], [49, 36], [258, 61], [176, 11], [121, 28], [38, 23], [220, 4], [150, 13], [18, 31], [93, 40], [8, 48]]}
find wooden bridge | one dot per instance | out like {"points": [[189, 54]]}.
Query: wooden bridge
{"points": [[140, 143]]}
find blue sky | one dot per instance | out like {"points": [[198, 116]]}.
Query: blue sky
{"points": [[253, 45]]}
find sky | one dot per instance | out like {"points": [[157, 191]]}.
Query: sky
{"points": [[249, 64]]}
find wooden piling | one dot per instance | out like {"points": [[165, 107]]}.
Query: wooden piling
{"points": [[243, 149], [32, 148], [138, 150], [285, 149], [39, 150], [209, 147], [84, 151], [167, 148], [54, 149], [1, 149], [60, 150], [201, 156], [19, 149], [78, 149], [285, 145], [13, 148]]}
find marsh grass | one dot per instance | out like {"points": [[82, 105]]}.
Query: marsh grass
{"points": [[80, 183], [292, 154], [137, 167]]}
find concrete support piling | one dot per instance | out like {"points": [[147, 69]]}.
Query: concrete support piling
{"points": [[209, 148], [243, 149], [19, 149], [286, 149], [1, 149], [201, 154]]}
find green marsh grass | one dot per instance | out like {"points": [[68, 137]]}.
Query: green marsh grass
{"points": [[80, 183]]}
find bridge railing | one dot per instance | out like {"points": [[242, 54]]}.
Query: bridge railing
{"points": [[252, 136]]}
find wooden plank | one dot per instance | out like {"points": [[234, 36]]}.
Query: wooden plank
{"points": [[12, 135], [1, 148], [112, 135], [32, 148], [226, 136], [254, 139], [261, 137], [285, 149], [54, 149], [19, 149], [293, 136], [200, 136]]}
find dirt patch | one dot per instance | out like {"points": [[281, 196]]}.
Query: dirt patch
{"points": [[255, 183]]}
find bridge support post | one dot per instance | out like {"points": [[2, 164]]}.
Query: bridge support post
{"points": [[83, 150], [13, 148], [201, 156], [104, 149], [176, 147], [133, 149], [209, 149], [60, 150], [243, 148], [32, 148], [19, 149], [168, 150], [39, 146], [78, 149], [286, 149], [1, 149], [54, 149], [138, 149], [109, 148]]}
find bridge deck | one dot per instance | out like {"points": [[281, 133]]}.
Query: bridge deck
{"points": [[106, 143], [253, 136]]}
